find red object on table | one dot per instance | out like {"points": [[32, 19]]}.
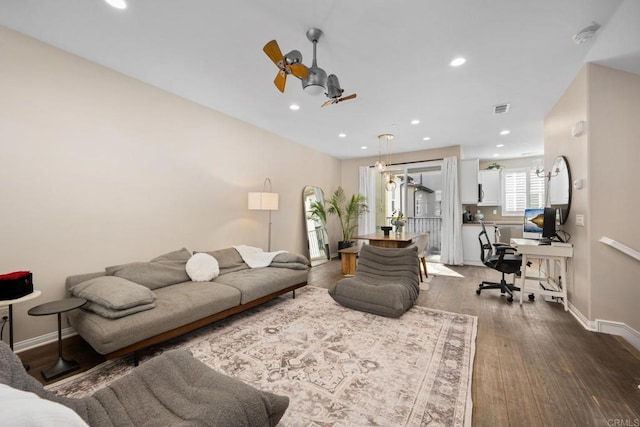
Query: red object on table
{"points": [[14, 275]]}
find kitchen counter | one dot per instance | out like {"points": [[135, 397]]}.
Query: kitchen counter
{"points": [[491, 223]]}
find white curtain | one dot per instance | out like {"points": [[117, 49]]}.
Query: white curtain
{"points": [[367, 222], [451, 214]]}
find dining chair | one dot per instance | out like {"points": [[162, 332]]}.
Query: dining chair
{"points": [[421, 243]]}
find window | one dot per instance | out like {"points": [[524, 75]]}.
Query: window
{"points": [[522, 189]]}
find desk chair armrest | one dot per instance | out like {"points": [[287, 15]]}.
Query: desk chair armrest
{"points": [[503, 248]]}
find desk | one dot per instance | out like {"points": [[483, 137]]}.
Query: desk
{"points": [[554, 285], [391, 241], [9, 303]]}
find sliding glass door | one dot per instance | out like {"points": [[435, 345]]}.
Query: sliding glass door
{"points": [[415, 189]]}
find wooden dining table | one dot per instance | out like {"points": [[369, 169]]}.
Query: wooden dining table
{"points": [[393, 240]]}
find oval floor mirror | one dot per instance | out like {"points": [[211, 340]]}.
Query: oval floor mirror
{"points": [[316, 221]]}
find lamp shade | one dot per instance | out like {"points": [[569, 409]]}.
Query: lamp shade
{"points": [[263, 201]]}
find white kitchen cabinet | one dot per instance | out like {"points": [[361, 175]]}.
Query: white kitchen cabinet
{"points": [[490, 187], [469, 181], [471, 245]]}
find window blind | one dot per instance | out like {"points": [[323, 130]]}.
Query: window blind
{"points": [[522, 189]]}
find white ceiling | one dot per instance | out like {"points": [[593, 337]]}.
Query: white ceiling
{"points": [[394, 54]]}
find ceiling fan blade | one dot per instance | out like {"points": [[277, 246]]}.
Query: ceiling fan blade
{"points": [[336, 100], [344, 98], [281, 80], [299, 70], [273, 52], [329, 102]]}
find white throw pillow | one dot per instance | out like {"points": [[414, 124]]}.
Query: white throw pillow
{"points": [[202, 267], [22, 408]]}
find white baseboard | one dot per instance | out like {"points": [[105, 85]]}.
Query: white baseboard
{"points": [[621, 329], [607, 327], [42, 340], [582, 319]]}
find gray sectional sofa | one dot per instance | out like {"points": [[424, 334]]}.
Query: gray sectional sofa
{"points": [[169, 303]]}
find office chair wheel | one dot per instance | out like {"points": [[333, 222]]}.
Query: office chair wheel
{"points": [[532, 297], [510, 299], [478, 291]]}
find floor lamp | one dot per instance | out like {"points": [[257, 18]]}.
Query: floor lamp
{"points": [[264, 201]]}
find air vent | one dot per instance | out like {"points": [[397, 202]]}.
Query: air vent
{"points": [[501, 108]]}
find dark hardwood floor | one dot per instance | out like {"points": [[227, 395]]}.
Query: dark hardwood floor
{"points": [[534, 365]]}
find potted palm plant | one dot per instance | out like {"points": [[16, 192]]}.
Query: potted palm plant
{"points": [[318, 212], [347, 210]]}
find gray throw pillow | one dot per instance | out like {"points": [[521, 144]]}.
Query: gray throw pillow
{"points": [[229, 260], [115, 314], [113, 292], [290, 265], [181, 255], [291, 257], [164, 270]]}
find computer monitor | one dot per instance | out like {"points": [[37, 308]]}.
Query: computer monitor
{"points": [[548, 226], [533, 222], [540, 224]]}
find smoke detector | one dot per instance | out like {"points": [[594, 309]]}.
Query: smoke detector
{"points": [[586, 34]]}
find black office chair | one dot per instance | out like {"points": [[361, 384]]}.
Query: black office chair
{"points": [[501, 257]]}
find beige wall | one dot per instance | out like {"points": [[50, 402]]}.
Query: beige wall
{"points": [[606, 158], [100, 169], [571, 108], [614, 158]]}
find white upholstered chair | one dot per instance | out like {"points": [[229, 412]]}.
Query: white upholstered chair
{"points": [[421, 243]]}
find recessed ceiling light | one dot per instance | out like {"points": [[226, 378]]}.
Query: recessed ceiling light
{"points": [[364, 147], [500, 145], [118, 4], [458, 62], [496, 155], [415, 121], [426, 138], [294, 107], [342, 135], [505, 132]]}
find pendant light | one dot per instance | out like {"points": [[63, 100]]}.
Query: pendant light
{"points": [[390, 183], [380, 164]]}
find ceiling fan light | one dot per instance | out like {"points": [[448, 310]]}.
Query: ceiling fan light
{"points": [[316, 84], [313, 89]]}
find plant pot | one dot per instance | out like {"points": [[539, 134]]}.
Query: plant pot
{"points": [[344, 245]]}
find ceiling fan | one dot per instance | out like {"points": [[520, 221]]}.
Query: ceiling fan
{"points": [[335, 92], [291, 63], [314, 79]]}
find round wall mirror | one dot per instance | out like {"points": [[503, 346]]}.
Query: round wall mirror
{"points": [[316, 221], [560, 188]]}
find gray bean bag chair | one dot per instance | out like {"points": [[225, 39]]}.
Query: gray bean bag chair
{"points": [[173, 389], [386, 282]]}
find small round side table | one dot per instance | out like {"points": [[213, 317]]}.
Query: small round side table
{"points": [[62, 366]]}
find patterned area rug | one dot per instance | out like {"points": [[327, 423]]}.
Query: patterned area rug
{"points": [[338, 366]]}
